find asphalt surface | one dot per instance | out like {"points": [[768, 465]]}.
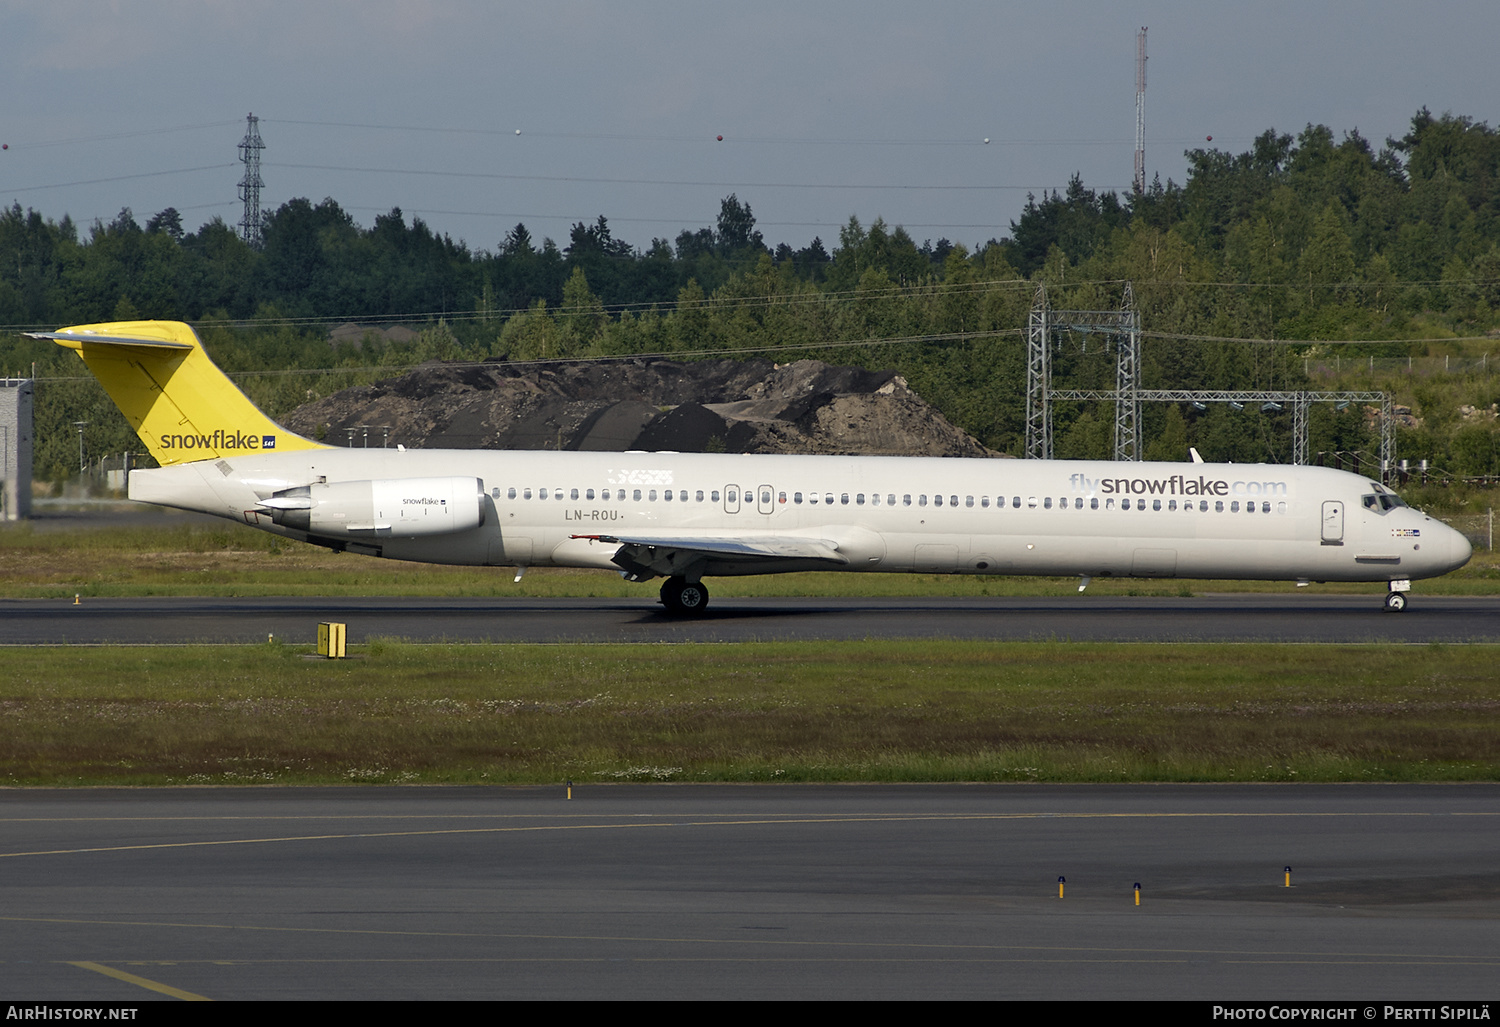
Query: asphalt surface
{"points": [[728, 892], [1291, 617]]}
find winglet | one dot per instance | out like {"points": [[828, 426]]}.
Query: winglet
{"points": [[175, 397]]}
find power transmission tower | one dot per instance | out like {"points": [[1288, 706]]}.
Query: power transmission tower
{"points": [[1122, 328], [250, 147], [1140, 112]]}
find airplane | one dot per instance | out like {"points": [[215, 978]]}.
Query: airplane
{"points": [[688, 516]]}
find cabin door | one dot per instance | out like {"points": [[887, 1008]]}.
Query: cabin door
{"points": [[1333, 522]]}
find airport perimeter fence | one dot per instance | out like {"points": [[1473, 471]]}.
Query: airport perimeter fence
{"points": [[1479, 529], [1418, 367]]}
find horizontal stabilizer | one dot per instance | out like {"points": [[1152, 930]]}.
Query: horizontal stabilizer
{"points": [[107, 340]]}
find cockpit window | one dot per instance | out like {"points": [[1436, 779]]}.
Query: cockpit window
{"points": [[1383, 501]]}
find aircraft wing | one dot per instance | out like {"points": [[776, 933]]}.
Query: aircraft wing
{"points": [[671, 552]]}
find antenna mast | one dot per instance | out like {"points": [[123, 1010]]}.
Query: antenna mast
{"points": [[1140, 112], [250, 148]]}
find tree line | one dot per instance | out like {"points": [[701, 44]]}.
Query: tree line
{"points": [[1308, 237]]}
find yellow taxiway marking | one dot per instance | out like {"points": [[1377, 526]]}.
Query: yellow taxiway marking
{"points": [[727, 821], [121, 975]]}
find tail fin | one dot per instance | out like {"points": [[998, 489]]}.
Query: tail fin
{"points": [[178, 401]]}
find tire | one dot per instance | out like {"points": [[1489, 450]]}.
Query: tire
{"points": [[1395, 602], [684, 598]]}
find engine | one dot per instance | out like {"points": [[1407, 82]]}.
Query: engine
{"points": [[394, 507]]}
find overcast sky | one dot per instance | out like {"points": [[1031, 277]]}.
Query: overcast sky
{"points": [[475, 115]]}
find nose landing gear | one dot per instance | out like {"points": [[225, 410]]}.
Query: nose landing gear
{"points": [[1395, 599]]}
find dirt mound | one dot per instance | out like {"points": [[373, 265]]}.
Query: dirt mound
{"points": [[713, 406]]}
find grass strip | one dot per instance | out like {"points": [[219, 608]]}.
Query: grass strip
{"points": [[235, 560], [859, 711]]}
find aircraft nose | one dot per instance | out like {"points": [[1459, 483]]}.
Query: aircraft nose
{"points": [[1459, 549]]}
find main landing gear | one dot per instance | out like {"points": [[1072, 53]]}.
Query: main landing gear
{"points": [[1395, 599], [684, 598]]}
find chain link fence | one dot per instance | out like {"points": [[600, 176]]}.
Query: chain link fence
{"points": [[1479, 529], [1417, 367]]}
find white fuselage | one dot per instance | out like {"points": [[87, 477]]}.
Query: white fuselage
{"points": [[932, 515]]}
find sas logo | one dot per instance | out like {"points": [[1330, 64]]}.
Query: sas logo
{"points": [[268, 442], [1406, 533]]}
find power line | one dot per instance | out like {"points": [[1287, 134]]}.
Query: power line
{"points": [[138, 133], [499, 176], [116, 178]]}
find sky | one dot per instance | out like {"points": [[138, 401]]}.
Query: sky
{"points": [[475, 115]]}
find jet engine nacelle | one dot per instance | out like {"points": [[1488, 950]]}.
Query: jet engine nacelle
{"points": [[400, 507]]}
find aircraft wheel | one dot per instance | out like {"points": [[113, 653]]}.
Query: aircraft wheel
{"points": [[1395, 602], [684, 598]]}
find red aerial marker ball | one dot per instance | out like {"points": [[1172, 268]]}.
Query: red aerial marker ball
{"points": [[721, 139], [1210, 138], [4, 146]]}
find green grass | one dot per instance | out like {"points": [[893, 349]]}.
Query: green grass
{"points": [[860, 711]]}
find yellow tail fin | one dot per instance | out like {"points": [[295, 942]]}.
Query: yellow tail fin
{"points": [[178, 401]]}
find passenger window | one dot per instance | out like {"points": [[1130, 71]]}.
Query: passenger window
{"points": [[984, 501], [541, 493], [797, 498], [1031, 502], [510, 493], [698, 495], [1281, 508], [557, 494], [572, 493], [922, 500], [651, 495], [667, 495], [812, 498], [1171, 505], [781, 497], [637, 495], [1265, 508], [1156, 504], [906, 500], [1015, 501], [952, 500], [874, 498], [1109, 504], [1219, 506], [589, 494], [1047, 503], [859, 500], [1234, 507], [937, 500], [1094, 503], [713, 497], [890, 499]]}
